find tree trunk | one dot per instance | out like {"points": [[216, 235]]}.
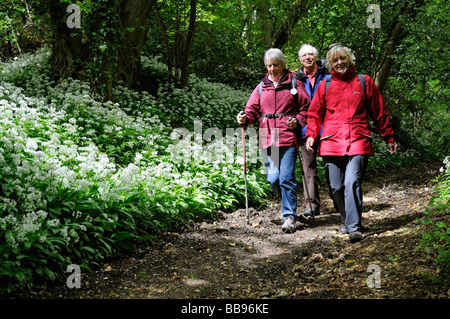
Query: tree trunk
{"points": [[166, 41], [189, 40], [282, 33], [384, 66], [263, 11], [66, 48], [134, 18], [71, 53]]}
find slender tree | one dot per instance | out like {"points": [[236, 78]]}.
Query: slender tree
{"points": [[409, 11], [134, 18], [188, 45]]}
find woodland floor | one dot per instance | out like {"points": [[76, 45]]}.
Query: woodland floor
{"points": [[226, 258]]}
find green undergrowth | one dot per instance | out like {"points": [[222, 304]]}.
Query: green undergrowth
{"points": [[83, 180]]}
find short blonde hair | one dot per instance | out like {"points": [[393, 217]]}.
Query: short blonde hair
{"points": [[275, 54], [338, 49]]}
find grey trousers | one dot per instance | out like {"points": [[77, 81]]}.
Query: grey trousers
{"points": [[311, 180], [344, 176]]}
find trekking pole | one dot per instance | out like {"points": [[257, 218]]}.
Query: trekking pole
{"points": [[245, 169], [303, 173]]}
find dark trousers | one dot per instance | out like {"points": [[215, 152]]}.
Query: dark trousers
{"points": [[311, 180], [344, 176]]}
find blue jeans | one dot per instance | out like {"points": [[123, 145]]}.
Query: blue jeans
{"points": [[280, 169], [344, 176]]}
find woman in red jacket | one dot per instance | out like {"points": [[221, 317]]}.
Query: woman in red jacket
{"points": [[346, 140], [272, 103]]}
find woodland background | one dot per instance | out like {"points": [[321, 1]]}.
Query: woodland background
{"points": [[87, 113]]}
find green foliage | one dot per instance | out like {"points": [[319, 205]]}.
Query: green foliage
{"points": [[84, 180], [436, 223], [215, 104], [101, 21], [19, 29], [383, 159], [417, 94]]}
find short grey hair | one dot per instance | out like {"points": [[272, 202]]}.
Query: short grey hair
{"points": [[305, 46], [275, 54], [336, 49]]}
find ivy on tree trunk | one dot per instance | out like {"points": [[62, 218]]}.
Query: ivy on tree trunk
{"points": [[107, 47]]}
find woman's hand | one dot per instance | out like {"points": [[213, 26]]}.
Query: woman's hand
{"points": [[309, 144], [392, 147], [292, 123], [241, 118]]}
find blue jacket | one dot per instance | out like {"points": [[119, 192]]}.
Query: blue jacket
{"points": [[321, 74]]}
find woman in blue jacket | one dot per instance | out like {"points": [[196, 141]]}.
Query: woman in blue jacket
{"points": [[312, 72]]}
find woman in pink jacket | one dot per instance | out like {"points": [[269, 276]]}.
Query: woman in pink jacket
{"points": [[277, 98], [346, 140]]}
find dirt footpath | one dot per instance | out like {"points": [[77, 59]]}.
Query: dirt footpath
{"points": [[226, 258]]}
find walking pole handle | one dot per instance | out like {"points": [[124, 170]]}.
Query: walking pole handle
{"points": [[295, 140], [242, 113]]}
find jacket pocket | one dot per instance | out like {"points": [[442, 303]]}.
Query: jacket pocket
{"points": [[328, 131], [327, 136], [362, 131]]}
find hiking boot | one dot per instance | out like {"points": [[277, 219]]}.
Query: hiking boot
{"points": [[355, 236], [288, 224], [311, 213]]}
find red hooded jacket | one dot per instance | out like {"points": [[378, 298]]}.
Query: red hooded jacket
{"points": [[344, 113], [277, 100]]}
